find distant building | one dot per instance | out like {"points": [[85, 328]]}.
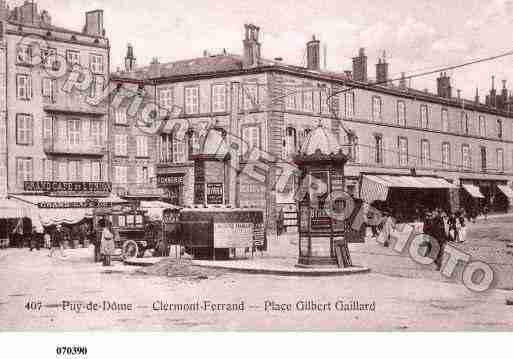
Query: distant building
{"points": [[47, 132], [272, 106]]}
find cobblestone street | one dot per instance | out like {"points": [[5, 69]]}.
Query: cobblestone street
{"points": [[406, 296]]}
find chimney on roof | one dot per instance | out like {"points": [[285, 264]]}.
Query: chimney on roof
{"points": [[313, 61], [251, 45], [360, 66], [443, 86], [348, 74], [28, 12], [476, 97], [459, 94], [382, 70], [130, 60], [94, 23], [502, 100], [402, 81], [154, 69], [491, 99]]}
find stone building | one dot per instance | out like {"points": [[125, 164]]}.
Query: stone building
{"points": [[50, 129], [272, 106]]}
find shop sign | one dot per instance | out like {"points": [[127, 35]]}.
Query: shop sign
{"points": [[319, 220], [233, 235], [214, 193], [170, 179], [67, 188], [88, 203]]}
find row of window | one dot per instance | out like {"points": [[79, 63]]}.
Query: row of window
{"points": [[72, 132], [425, 154], [309, 100], [143, 174], [25, 55], [49, 90], [191, 105], [121, 145], [465, 126], [70, 170], [177, 150]]}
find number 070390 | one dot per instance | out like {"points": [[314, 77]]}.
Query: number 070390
{"points": [[72, 350]]}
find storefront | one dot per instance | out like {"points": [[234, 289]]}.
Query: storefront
{"points": [[490, 193], [173, 186], [69, 204], [471, 199], [407, 197]]}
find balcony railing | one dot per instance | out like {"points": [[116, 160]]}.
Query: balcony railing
{"points": [[83, 148]]}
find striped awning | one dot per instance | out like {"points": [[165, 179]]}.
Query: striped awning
{"points": [[473, 190], [376, 187], [508, 191]]}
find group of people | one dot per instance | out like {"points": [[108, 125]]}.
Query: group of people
{"points": [[444, 227], [54, 237]]}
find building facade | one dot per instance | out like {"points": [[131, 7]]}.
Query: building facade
{"points": [[272, 106], [50, 128]]}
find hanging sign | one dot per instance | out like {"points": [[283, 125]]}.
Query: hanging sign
{"points": [[214, 193]]}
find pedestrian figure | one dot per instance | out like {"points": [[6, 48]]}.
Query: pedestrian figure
{"points": [[36, 238], [451, 221], [17, 234], [485, 212], [47, 240], [58, 241], [462, 231], [107, 244], [439, 234], [388, 227]]}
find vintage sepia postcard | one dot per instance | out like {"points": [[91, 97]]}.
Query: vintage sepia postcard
{"points": [[255, 166]]}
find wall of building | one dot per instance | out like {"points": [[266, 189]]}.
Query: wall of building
{"points": [[65, 105]]}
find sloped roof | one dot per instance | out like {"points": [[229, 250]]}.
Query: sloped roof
{"points": [[199, 65]]}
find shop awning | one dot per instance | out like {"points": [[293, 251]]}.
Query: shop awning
{"points": [[508, 191], [473, 190], [376, 187], [69, 210]]}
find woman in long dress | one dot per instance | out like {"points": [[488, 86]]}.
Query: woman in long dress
{"points": [[107, 244]]}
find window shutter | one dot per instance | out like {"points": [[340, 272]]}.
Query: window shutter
{"points": [[30, 132]]}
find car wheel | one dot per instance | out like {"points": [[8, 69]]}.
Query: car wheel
{"points": [[130, 249]]}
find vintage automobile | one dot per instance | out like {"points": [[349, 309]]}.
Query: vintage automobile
{"points": [[134, 233]]}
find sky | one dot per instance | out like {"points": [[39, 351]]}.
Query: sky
{"points": [[416, 35]]}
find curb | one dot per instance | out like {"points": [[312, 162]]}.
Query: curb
{"points": [[290, 272]]}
